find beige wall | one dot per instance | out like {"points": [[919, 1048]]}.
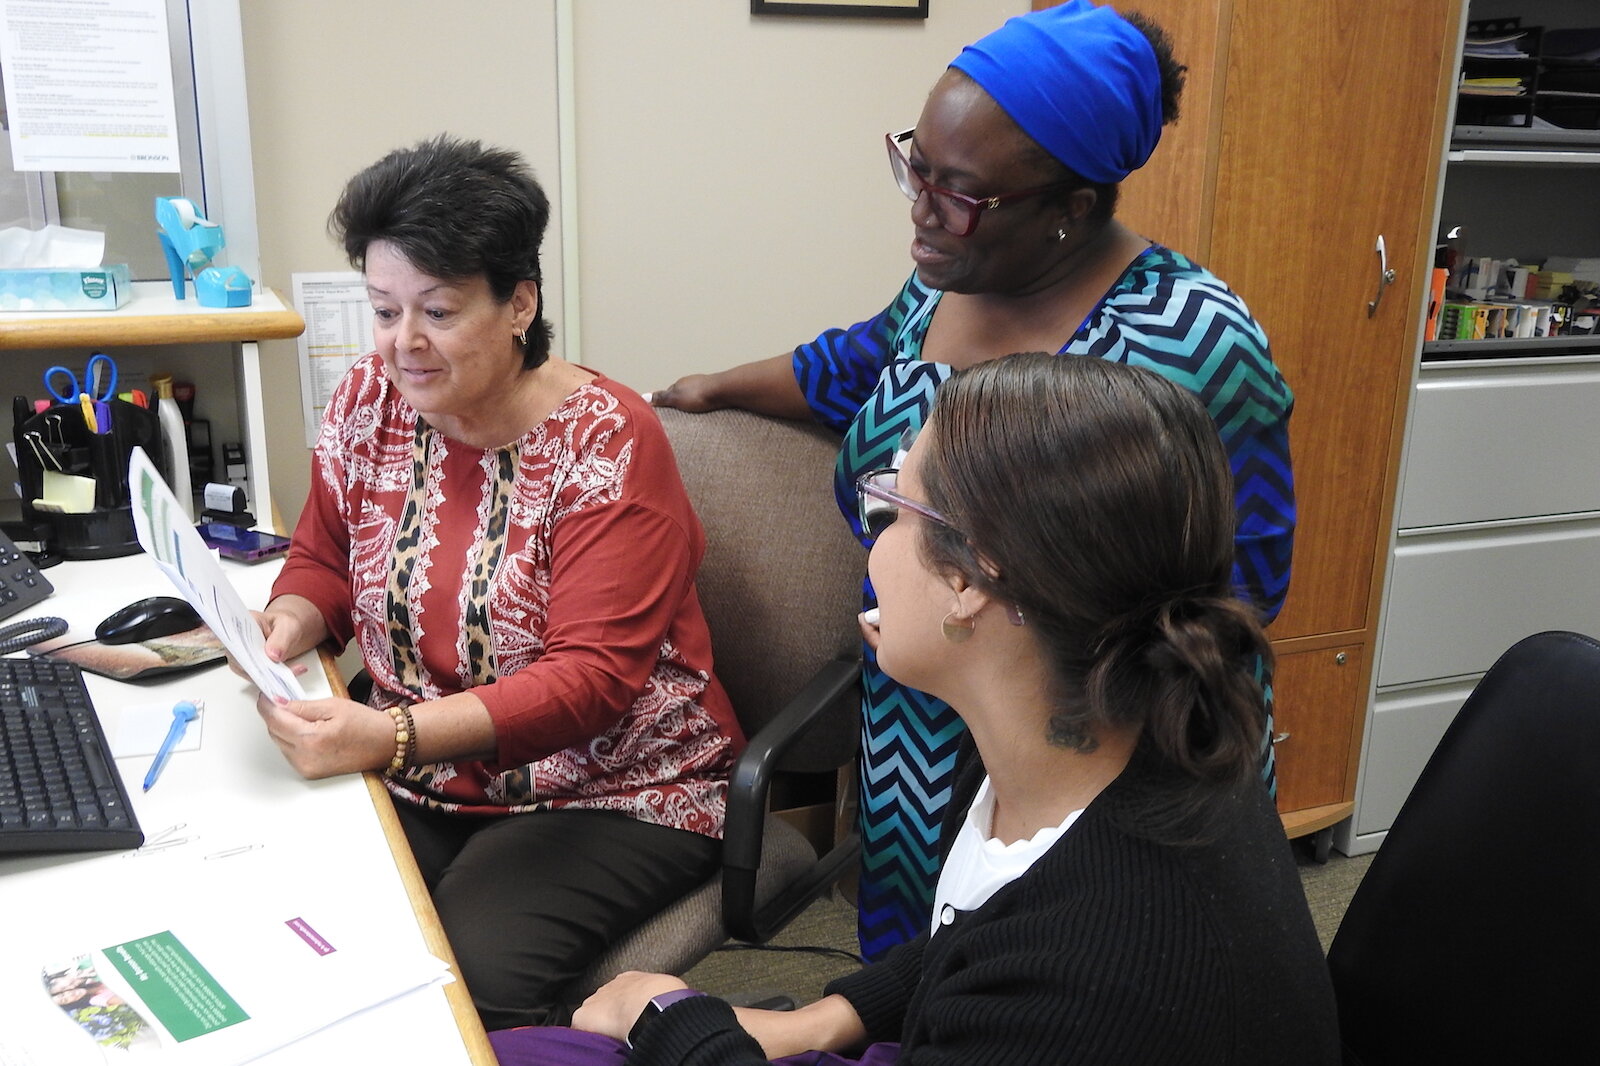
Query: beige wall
{"points": [[734, 194], [334, 84], [731, 190]]}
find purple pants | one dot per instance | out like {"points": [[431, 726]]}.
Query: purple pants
{"points": [[541, 1046]]}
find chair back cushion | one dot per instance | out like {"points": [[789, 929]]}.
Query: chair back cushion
{"points": [[1475, 934], [781, 580]]}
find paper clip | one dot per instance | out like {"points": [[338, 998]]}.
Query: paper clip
{"points": [[229, 852], [41, 451], [159, 842]]}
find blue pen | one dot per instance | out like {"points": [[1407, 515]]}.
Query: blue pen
{"points": [[182, 714]]}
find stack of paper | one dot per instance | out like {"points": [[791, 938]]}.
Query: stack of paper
{"points": [[220, 971]]}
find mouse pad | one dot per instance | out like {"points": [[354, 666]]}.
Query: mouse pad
{"points": [[140, 661]]}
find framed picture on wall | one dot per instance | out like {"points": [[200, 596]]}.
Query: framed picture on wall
{"points": [[906, 9]]}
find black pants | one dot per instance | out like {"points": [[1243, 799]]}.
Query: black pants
{"points": [[529, 901]]}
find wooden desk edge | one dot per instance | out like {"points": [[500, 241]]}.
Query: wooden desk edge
{"points": [[70, 330], [466, 1015]]}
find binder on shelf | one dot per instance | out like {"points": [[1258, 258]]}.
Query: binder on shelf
{"points": [[1435, 303]]}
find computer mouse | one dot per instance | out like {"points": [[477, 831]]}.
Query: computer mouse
{"points": [[157, 616]]}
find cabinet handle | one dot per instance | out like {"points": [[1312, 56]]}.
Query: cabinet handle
{"points": [[1341, 658], [1386, 277], [1281, 737]]}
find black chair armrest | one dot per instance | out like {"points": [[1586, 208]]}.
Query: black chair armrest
{"points": [[748, 788]]}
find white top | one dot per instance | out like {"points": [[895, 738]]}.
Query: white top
{"points": [[979, 865]]}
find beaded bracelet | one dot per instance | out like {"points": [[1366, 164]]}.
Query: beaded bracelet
{"points": [[405, 736]]}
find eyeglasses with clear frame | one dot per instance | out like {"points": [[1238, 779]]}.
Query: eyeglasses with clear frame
{"points": [[878, 504], [958, 213]]}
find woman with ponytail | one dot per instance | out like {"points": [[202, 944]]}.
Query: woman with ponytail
{"points": [[1053, 558]]}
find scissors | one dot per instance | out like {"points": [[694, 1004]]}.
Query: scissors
{"points": [[76, 394]]}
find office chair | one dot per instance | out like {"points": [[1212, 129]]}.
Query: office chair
{"points": [[781, 586], [1475, 934]]}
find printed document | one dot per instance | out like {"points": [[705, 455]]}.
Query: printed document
{"points": [[223, 968], [166, 533]]}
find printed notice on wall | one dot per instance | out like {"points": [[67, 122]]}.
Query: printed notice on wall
{"points": [[88, 85], [338, 319]]}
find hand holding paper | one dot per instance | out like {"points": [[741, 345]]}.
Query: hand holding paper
{"points": [[165, 532]]}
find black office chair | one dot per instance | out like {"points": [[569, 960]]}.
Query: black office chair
{"points": [[1475, 934], [781, 587]]}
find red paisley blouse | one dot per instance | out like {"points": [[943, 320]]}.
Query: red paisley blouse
{"points": [[554, 577]]}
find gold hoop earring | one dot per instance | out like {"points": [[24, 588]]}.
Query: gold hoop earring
{"points": [[956, 629]]}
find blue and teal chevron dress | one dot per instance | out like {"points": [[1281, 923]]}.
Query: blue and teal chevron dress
{"points": [[869, 382]]}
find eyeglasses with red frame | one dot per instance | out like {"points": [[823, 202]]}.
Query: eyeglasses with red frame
{"points": [[958, 212]]}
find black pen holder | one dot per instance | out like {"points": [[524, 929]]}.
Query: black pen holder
{"points": [[59, 438]]}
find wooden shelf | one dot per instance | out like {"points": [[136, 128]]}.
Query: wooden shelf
{"points": [[1508, 347], [1305, 822], [152, 316], [1527, 156]]}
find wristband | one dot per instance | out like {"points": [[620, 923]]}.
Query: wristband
{"points": [[653, 1009], [405, 737]]}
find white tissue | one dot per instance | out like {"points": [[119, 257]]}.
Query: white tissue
{"points": [[50, 247]]}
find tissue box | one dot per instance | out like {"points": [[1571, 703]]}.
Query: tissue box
{"points": [[102, 288]]}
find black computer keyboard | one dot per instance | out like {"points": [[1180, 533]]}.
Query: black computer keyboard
{"points": [[59, 788]]}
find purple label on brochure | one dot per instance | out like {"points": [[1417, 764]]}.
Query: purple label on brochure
{"points": [[310, 936]]}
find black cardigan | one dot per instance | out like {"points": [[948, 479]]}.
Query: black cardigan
{"points": [[1110, 949]]}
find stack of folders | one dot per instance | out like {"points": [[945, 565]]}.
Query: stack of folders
{"points": [[1512, 44], [1492, 76]]}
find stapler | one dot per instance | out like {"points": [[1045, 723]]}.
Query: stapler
{"points": [[190, 243]]}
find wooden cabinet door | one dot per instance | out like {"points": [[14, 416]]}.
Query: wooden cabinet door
{"points": [[1330, 139], [1314, 730], [1322, 125]]}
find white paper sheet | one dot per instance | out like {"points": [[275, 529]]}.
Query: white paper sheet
{"points": [[141, 727], [89, 85], [166, 533], [338, 317], [229, 962]]}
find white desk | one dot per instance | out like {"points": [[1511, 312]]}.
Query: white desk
{"points": [[237, 792]]}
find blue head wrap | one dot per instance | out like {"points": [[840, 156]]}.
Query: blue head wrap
{"points": [[1080, 80]]}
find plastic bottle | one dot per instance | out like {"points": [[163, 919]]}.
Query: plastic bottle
{"points": [[176, 465]]}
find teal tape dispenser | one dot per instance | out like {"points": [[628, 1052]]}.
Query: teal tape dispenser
{"points": [[191, 242]]}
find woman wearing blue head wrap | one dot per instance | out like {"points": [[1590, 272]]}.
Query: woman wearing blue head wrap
{"points": [[1012, 173]]}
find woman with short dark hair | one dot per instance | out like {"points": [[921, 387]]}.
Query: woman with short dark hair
{"points": [[1117, 887], [506, 538]]}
